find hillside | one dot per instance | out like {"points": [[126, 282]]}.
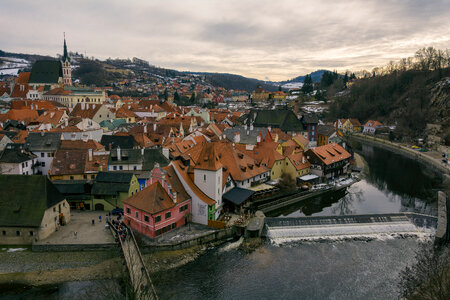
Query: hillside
{"points": [[410, 99]]}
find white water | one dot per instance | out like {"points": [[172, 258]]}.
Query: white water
{"points": [[369, 231], [231, 246]]}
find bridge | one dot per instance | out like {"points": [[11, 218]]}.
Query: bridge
{"points": [[141, 284], [349, 226]]}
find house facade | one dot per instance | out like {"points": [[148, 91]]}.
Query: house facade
{"points": [[328, 161], [32, 209]]}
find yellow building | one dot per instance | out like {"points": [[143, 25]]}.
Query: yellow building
{"points": [[260, 94], [71, 96]]}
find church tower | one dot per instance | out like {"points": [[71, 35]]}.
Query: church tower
{"points": [[65, 61]]}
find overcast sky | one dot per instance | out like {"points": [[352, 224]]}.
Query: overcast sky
{"points": [[273, 40]]}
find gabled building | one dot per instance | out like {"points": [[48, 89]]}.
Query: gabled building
{"points": [[44, 145], [371, 126], [135, 159], [160, 207], [93, 111], [284, 119], [77, 164], [111, 188], [328, 161], [4, 140], [31, 209], [310, 123], [324, 134], [16, 160]]}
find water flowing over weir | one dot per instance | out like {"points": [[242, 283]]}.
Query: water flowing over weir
{"points": [[353, 226]]}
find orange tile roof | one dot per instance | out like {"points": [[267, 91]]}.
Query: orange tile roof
{"points": [[20, 137], [299, 161], [209, 159], [26, 115], [182, 170], [331, 153], [23, 78], [152, 199], [50, 117], [81, 145]]}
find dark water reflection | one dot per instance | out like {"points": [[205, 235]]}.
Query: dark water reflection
{"points": [[394, 184]]}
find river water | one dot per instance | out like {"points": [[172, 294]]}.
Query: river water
{"points": [[316, 270], [327, 270]]}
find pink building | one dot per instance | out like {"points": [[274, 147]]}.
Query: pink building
{"points": [[161, 206]]}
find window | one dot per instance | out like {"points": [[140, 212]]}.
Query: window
{"points": [[23, 165], [42, 154], [31, 233], [71, 177], [135, 168], [128, 210], [168, 214], [157, 219], [54, 209], [146, 219], [120, 167], [43, 163], [18, 233], [84, 176], [204, 178], [137, 215], [49, 155], [64, 204], [115, 168], [3, 232]]}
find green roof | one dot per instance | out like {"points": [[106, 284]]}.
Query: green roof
{"points": [[112, 124], [152, 156], [114, 177], [24, 199], [283, 119], [46, 71]]}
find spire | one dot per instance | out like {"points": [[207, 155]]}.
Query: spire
{"points": [[65, 55]]}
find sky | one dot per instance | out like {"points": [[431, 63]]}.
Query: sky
{"points": [[268, 40]]}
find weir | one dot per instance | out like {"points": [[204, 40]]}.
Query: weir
{"points": [[349, 226]]}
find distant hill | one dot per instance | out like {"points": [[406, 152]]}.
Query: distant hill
{"points": [[236, 82], [102, 72], [316, 76]]}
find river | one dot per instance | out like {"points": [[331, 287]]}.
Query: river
{"points": [[316, 270], [331, 270]]}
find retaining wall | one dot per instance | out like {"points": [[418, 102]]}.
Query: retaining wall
{"points": [[73, 247], [219, 235]]}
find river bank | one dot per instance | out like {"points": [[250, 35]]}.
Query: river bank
{"points": [[29, 268], [401, 149]]}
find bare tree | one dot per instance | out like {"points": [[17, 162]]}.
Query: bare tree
{"points": [[429, 277]]}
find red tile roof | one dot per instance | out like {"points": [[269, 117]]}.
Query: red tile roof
{"points": [[331, 153]]}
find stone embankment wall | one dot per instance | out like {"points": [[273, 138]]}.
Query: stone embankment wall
{"points": [[419, 156], [442, 232], [211, 237], [73, 247]]}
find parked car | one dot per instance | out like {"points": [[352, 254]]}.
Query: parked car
{"points": [[415, 147]]}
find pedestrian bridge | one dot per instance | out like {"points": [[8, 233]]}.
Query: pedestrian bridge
{"points": [[350, 226]]}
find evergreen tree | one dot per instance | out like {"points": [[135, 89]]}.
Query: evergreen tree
{"points": [[307, 85]]}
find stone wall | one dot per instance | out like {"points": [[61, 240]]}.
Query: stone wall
{"points": [[219, 235]]}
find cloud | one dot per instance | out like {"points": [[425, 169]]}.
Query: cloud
{"points": [[255, 38]]}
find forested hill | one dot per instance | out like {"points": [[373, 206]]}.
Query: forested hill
{"points": [[409, 98]]}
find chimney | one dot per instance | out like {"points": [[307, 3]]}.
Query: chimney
{"points": [[258, 139], [66, 122], [42, 133], [119, 157], [145, 128], [174, 197], [251, 126], [248, 132], [237, 137], [142, 151], [90, 154], [245, 126], [269, 128], [154, 127], [82, 105], [303, 160]]}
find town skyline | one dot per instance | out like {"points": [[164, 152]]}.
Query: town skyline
{"points": [[263, 40]]}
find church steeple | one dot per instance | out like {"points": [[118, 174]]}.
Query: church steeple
{"points": [[66, 69], [65, 55]]}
